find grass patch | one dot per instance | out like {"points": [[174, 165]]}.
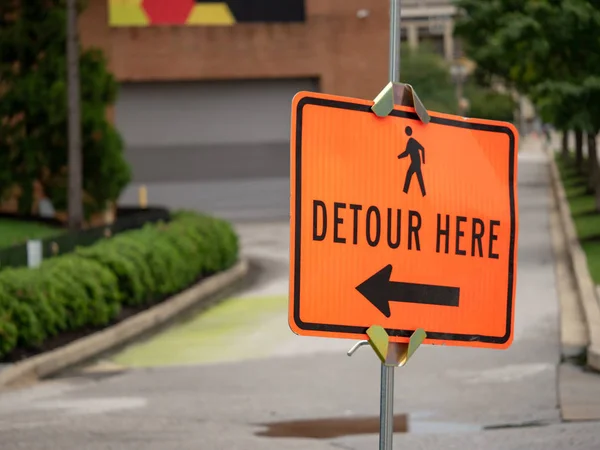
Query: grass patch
{"points": [[583, 210], [13, 232]]}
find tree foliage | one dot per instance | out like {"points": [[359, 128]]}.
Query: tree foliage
{"points": [[429, 73], [33, 110], [546, 49], [486, 103], [550, 51]]}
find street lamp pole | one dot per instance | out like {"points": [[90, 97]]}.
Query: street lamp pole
{"points": [[458, 72], [459, 94]]}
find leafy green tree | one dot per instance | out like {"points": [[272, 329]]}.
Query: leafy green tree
{"points": [[585, 98], [33, 110], [428, 73], [566, 86], [546, 50], [508, 42], [487, 103], [480, 25], [568, 65], [559, 69]]}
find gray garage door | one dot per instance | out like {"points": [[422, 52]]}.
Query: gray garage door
{"points": [[221, 147]]}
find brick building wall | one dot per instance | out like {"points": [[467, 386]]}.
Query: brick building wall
{"points": [[348, 54], [342, 43]]}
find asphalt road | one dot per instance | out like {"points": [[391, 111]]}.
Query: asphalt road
{"points": [[262, 374]]}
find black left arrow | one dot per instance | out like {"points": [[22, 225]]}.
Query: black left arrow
{"points": [[380, 291]]}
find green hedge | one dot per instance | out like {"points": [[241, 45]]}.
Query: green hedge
{"points": [[87, 288]]}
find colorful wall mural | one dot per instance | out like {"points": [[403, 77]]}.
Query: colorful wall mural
{"points": [[145, 13]]}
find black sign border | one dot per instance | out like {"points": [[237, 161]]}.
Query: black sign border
{"points": [[346, 329]]}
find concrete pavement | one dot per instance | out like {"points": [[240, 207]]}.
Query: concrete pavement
{"points": [[263, 374]]}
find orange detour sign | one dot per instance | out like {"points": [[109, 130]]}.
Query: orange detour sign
{"points": [[401, 224]]}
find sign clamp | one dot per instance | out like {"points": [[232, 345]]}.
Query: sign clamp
{"points": [[396, 93], [392, 354]]}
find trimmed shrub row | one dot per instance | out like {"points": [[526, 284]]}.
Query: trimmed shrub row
{"points": [[88, 288]]}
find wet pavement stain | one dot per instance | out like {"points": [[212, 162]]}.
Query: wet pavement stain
{"points": [[330, 428], [335, 427], [533, 423]]}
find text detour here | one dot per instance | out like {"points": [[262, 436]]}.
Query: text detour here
{"points": [[401, 224]]}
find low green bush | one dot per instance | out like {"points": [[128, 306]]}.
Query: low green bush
{"points": [[8, 330], [86, 289], [486, 103]]}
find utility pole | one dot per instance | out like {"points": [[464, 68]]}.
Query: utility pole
{"points": [[75, 194]]}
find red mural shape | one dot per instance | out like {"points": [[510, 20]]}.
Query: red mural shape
{"points": [[168, 12]]}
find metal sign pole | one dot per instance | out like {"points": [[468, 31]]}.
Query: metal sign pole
{"points": [[386, 412], [395, 40], [391, 354]]}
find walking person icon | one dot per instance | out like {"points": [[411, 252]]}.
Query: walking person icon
{"points": [[413, 149]]}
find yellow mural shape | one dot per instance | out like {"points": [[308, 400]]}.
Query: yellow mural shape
{"points": [[126, 13], [211, 14]]}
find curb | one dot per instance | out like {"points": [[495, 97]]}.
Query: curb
{"points": [[586, 289], [80, 350]]}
